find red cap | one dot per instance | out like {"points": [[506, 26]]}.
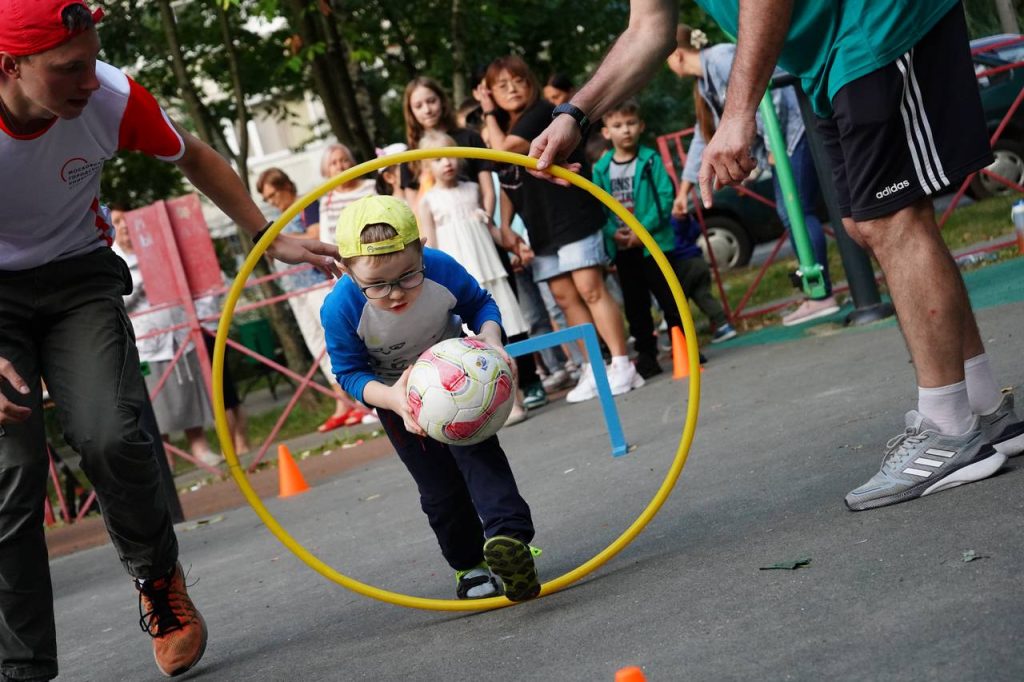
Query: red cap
{"points": [[34, 26]]}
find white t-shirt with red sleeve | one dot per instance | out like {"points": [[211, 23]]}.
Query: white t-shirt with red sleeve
{"points": [[50, 180]]}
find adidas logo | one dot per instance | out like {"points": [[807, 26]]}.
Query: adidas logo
{"points": [[929, 462], [892, 189]]}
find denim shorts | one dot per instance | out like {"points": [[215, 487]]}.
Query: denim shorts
{"points": [[585, 253]]}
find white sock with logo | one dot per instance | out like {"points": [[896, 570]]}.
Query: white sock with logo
{"points": [[982, 389], [947, 407]]}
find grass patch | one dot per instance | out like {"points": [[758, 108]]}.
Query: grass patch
{"points": [[978, 222], [307, 415]]}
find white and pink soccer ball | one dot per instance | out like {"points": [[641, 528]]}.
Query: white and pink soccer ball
{"points": [[460, 391]]}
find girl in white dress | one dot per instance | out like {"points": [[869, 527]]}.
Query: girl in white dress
{"points": [[452, 219]]}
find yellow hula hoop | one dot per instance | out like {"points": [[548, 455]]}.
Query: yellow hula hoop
{"points": [[559, 583]]}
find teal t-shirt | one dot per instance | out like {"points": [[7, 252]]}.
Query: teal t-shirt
{"points": [[830, 44]]}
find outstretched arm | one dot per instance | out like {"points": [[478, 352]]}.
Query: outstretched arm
{"points": [[763, 25], [628, 66], [214, 177]]}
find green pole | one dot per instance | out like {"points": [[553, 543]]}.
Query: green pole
{"points": [[810, 272]]}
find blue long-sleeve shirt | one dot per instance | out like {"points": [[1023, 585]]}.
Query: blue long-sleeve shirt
{"points": [[366, 343]]}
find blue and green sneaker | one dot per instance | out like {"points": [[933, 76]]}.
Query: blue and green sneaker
{"points": [[512, 561]]}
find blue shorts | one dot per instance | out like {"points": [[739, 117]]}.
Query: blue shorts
{"points": [[585, 253]]}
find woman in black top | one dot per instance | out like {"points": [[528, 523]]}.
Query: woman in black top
{"points": [[426, 107], [564, 223]]}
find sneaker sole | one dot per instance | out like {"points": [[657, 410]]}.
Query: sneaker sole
{"points": [[512, 561], [974, 471], [569, 398], [199, 656], [1011, 440], [636, 382], [824, 312]]}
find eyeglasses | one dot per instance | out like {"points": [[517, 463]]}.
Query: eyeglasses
{"points": [[410, 280], [506, 85], [269, 197]]}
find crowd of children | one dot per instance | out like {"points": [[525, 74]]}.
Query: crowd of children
{"points": [[551, 256]]}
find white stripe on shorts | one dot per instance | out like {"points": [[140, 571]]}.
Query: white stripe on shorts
{"points": [[920, 141]]}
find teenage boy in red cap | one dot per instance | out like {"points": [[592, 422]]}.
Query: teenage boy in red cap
{"points": [[62, 115]]}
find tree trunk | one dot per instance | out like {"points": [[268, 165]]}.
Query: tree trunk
{"points": [[305, 23], [280, 318], [1007, 16], [458, 57], [238, 94], [201, 119], [337, 57]]}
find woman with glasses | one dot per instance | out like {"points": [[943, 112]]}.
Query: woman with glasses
{"points": [[563, 223]]}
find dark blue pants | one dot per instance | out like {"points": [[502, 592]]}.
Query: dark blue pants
{"points": [[806, 180], [467, 492]]}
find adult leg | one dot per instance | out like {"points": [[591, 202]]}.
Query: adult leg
{"points": [[906, 131], [28, 645], [927, 292], [622, 375], [568, 299], [91, 368], [607, 315]]}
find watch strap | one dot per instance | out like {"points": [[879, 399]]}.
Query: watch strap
{"points": [[577, 114]]}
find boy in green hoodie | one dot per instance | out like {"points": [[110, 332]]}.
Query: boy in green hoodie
{"points": [[632, 173]]}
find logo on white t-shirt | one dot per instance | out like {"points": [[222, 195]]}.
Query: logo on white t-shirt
{"points": [[77, 170]]}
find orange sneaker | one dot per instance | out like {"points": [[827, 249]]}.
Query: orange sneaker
{"points": [[167, 613]]}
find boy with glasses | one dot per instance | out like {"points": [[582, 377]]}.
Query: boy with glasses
{"points": [[398, 299]]}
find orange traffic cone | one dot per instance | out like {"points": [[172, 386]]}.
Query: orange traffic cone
{"points": [[680, 357], [290, 479], [630, 674]]}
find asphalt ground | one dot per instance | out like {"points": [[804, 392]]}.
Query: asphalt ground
{"points": [[785, 431]]}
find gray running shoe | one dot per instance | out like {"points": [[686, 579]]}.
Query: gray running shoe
{"points": [[921, 461], [1002, 429]]}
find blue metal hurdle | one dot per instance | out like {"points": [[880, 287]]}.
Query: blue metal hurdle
{"points": [[604, 391]]}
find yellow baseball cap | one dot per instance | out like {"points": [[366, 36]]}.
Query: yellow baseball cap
{"points": [[370, 211]]}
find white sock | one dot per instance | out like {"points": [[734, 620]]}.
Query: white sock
{"points": [[947, 407], [620, 361], [982, 389]]}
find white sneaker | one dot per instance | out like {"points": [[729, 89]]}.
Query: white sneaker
{"points": [[556, 380], [370, 418], [586, 389], [624, 379]]}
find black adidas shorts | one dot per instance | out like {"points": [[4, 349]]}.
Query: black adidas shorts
{"points": [[909, 129]]}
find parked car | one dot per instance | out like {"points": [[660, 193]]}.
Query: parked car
{"points": [[998, 92], [736, 223]]}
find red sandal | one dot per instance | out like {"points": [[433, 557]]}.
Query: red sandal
{"points": [[335, 421]]}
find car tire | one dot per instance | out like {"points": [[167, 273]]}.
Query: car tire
{"points": [[1009, 163], [731, 243]]}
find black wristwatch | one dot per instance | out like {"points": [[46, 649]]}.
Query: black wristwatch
{"points": [[577, 115], [259, 235]]}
